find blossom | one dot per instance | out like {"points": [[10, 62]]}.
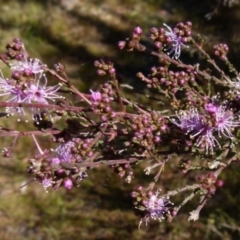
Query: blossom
{"points": [[196, 124], [216, 119], [96, 96], [68, 183], [176, 42], [52, 169], [15, 95], [31, 66], [206, 139], [9, 88], [35, 92], [55, 161], [224, 119], [156, 208], [28, 66], [29, 92], [189, 121], [64, 152], [46, 183]]}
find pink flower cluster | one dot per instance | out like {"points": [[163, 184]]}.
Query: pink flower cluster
{"points": [[27, 84]]}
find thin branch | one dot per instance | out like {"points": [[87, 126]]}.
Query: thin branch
{"points": [[43, 106], [101, 163], [4, 133]]}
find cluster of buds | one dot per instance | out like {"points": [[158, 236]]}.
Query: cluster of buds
{"points": [[150, 205], [162, 77], [170, 40], [124, 171], [221, 50], [15, 50], [83, 148], [58, 168], [56, 176], [105, 67], [101, 102], [147, 130], [210, 183], [133, 42]]}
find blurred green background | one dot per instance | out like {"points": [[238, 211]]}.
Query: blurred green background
{"points": [[75, 33]]}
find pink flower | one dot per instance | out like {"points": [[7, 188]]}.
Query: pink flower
{"points": [[64, 152], [14, 93], [176, 42], [30, 92], [224, 119], [68, 183], [96, 96], [195, 124], [35, 92], [203, 126], [156, 208], [46, 183], [28, 66]]}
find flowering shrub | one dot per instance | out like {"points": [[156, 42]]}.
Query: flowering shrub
{"points": [[196, 123]]}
